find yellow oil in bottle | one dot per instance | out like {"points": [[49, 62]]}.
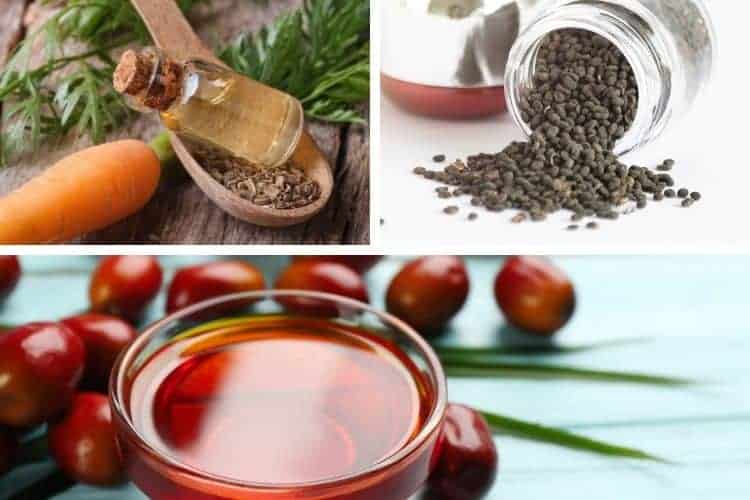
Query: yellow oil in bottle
{"points": [[206, 103], [234, 113]]}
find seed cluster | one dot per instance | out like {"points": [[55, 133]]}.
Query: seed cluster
{"points": [[283, 187], [583, 100]]}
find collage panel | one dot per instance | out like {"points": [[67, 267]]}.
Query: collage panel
{"points": [[185, 122], [541, 292], [365, 377], [562, 126]]}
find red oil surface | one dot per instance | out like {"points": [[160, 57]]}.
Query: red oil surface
{"points": [[279, 400], [445, 102]]}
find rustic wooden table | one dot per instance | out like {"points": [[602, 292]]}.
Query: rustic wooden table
{"points": [[182, 213], [690, 312]]}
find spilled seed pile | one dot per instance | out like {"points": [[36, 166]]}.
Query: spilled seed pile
{"points": [[583, 100], [283, 187]]}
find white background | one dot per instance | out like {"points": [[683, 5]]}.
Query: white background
{"points": [[709, 145]]}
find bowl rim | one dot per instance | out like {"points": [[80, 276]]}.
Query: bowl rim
{"points": [[431, 427]]}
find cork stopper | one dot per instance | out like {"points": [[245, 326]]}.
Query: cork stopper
{"points": [[154, 81]]}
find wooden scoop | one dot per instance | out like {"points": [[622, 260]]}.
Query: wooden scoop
{"points": [[175, 37]]}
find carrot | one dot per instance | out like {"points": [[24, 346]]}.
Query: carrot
{"points": [[84, 192]]}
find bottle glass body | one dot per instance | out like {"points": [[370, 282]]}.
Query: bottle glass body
{"points": [[670, 45], [230, 112]]}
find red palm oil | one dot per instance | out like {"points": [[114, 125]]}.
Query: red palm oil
{"points": [[275, 401]]}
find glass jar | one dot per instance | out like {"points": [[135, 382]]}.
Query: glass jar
{"points": [[670, 45]]}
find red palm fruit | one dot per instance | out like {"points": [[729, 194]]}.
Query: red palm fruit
{"points": [[40, 367], [10, 274], [534, 295], [104, 337], [467, 466], [428, 292], [360, 263], [83, 442], [320, 276], [206, 281], [124, 285]]}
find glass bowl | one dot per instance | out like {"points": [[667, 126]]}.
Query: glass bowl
{"points": [[161, 476]]}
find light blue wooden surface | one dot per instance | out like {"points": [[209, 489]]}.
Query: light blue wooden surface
{"points": [[694, 311]]}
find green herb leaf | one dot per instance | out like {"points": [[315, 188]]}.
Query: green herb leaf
{"points": [[39, 104], [501, 424], [319, 54], [457, 366], [34, 450], [530, 350], [49, 485]]}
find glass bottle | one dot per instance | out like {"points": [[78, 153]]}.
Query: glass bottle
{"points": [[208, 104], [670, 44]]}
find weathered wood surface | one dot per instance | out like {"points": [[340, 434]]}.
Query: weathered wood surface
{"points": [[181, 213], [11, 26]]}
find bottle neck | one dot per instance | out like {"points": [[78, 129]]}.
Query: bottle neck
{"points": [[643, 47], [151, 80]]}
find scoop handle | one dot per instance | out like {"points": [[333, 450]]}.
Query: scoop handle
{"points": [[171, 31]]}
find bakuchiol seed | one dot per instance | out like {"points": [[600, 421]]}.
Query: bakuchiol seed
{"points": [[683, 193], [451, 210], [695, 195], [572, 227], [420, 170], [438, 158], [284, 187], [473, 216], [592, 225], [582, 101], [687, 202], [666, 166]]}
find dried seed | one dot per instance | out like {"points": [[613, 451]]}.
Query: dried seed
{"points": [[282, 187], [582, 100]]}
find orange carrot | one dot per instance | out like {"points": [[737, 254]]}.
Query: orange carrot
{"points": [[86, 191]]}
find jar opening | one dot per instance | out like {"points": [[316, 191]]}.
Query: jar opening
{"points": [[629, 34]]}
